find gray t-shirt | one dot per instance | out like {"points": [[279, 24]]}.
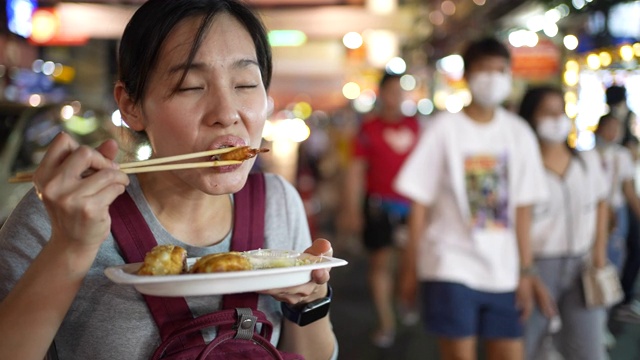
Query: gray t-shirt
{"points": [[110, 321]]}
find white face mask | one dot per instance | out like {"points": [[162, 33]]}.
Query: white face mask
{"points": [[554, 129], [490, 89], [620, 111]]}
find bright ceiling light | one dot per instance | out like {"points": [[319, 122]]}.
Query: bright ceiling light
{"points": [[605, 58], [626, 52], [381, 46], [352, 40], [383, 7], [593, 61], [570, 42]]}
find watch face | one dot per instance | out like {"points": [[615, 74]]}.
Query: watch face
{"points": [[314, 311], [309, 313]]}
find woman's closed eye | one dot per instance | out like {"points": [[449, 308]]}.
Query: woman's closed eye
{"points": [[190, 88], [247, 86]]}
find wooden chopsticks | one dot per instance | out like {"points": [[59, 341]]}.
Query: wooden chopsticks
{"points": [[153, 164]]}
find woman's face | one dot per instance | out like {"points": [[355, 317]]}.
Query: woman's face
{"points": [[222, 101], [611, 131], [391, 94], [551, 107]]}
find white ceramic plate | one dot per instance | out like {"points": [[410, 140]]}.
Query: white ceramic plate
{"points": [[218, 283]]}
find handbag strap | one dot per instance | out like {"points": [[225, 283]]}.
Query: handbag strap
{"points": [[135, 239]]}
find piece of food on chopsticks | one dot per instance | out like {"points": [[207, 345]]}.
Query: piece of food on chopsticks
{"points": [[240, 154], [164, 260], [221, 262]]}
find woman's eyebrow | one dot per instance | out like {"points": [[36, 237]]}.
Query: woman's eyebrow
{"points": [[243, 63], [238, 64]]}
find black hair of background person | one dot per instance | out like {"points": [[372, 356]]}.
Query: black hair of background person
{"points": [[485, 47], [614, 95], [386, 78]]}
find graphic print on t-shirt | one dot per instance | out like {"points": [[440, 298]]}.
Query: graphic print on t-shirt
{"points": [[399, 140], [487, 191]]}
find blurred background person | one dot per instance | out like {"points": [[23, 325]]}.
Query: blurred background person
{"points": [[568, 231], [617, 163], [619, 169], [473, 179], [372, 207], [629, 309]]}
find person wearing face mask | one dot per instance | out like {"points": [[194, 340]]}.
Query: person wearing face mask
{"points": [[629, 309], [473, 179], [568, 230], [617, 164]]}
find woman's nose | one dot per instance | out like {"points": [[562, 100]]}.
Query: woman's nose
{"points": [[222, 110]]}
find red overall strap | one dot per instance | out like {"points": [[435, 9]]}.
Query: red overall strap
{"points": [[248, 232], [135, 239]]}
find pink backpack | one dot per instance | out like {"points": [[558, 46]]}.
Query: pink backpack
{"points": [[237, 337]]}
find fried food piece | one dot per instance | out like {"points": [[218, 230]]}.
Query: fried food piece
{"points": [[164, 260], [241, 153], [230, 261]]}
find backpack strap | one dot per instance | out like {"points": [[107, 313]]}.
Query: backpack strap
{"points": [[135, 239], [248, 231]]}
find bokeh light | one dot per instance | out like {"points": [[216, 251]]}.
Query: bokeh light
{"points": [[352, 40], [396, 65], [351, 90]]}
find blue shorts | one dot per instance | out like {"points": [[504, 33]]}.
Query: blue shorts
{"points": [[453, 310]]}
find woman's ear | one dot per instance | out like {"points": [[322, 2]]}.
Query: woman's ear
{"points": [[130, 111]]}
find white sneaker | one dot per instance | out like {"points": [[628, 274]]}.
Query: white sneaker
{"points": [[383, 339], [410, 318]]}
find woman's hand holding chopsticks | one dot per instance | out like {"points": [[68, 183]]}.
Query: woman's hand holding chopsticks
{"points": [[78, 205]]}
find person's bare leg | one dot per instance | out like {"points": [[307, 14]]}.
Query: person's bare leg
{"points": [[381, 283], [457, 349], [505, 349]]}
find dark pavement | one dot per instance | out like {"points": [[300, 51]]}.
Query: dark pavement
{"points": [[353, 318]]}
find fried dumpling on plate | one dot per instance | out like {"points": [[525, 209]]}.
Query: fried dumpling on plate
{"points": [[221, 262], [164, 260]]}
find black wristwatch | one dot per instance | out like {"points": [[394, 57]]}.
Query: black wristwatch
{"points": [[308, 313]]}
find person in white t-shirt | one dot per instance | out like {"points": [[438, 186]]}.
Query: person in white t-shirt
{"points": [[568, 231], [472, 179]]}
